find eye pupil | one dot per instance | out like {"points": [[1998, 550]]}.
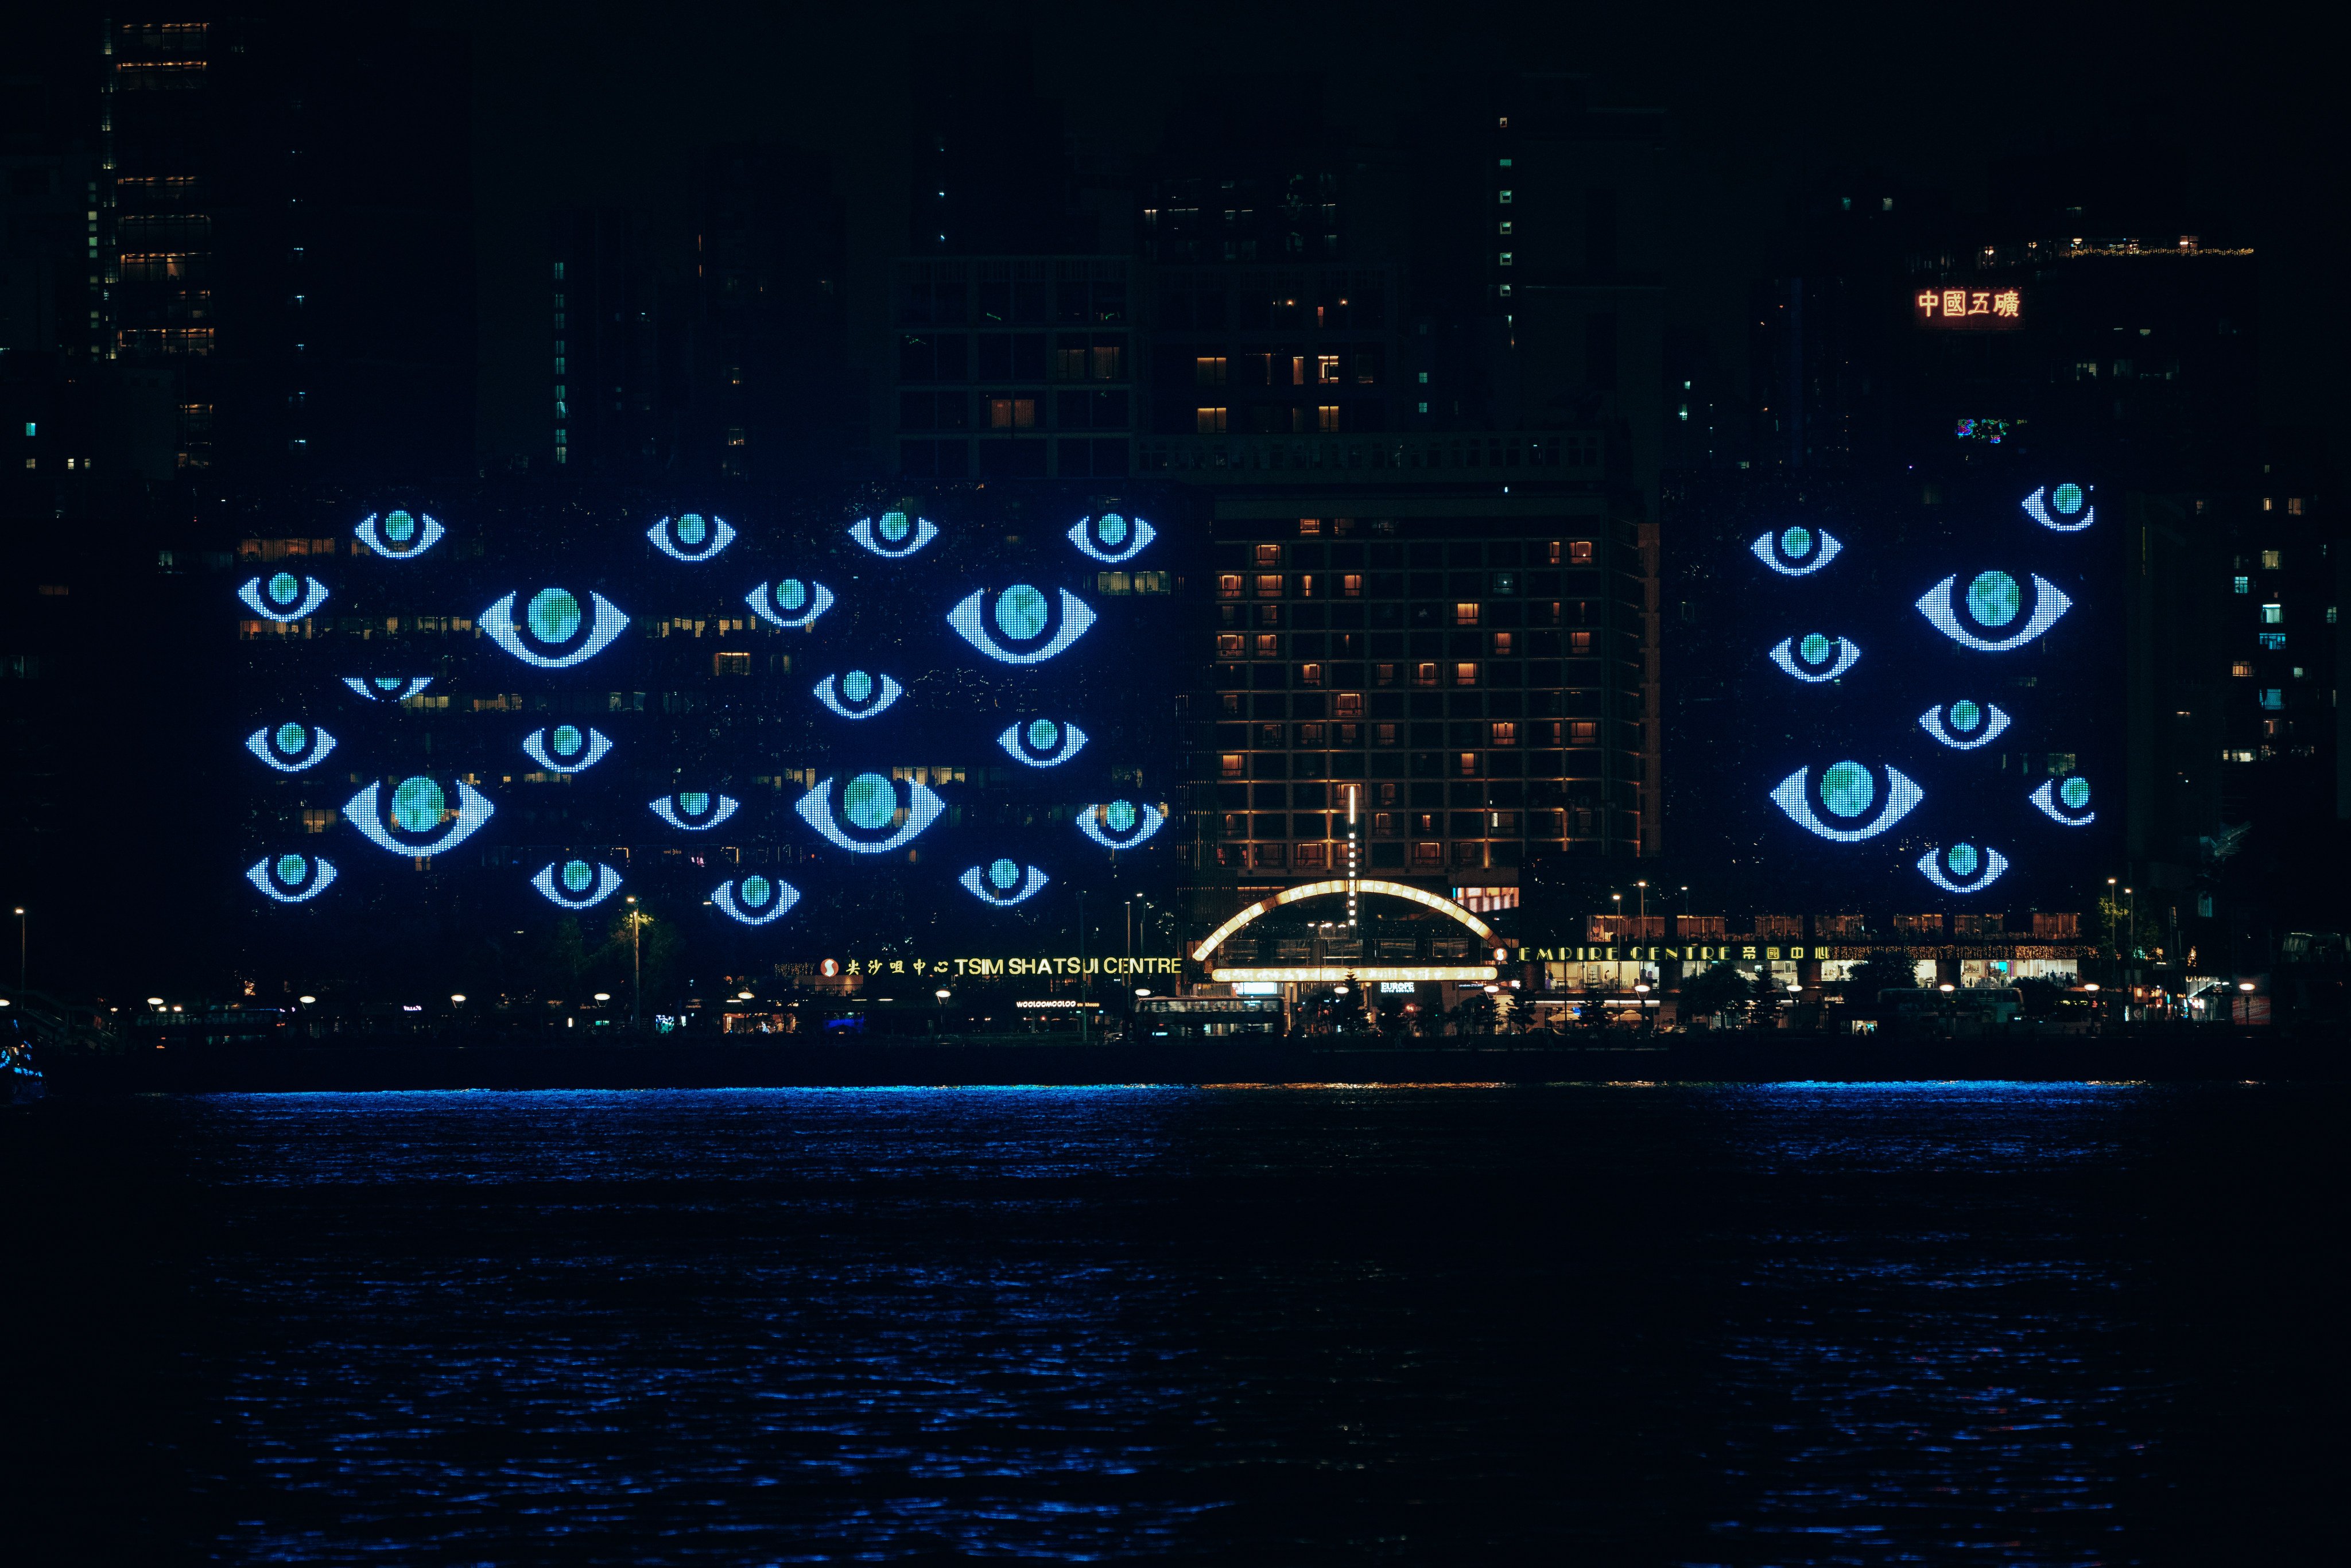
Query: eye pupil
{"points": [[577, 875], [693, 803], [283, 589], [857, 685], [400, 527], [1796, 541], [388, 683], [290, 868], [417, 804], [754, 891], [692, 529], [1119, 815], [2074, 792], [566, 740], [1044, 735], [1815, 649], [1964, 859], [1847, 788], [1994, 599], [894, 527], [869, 800], [1020, 612], [1004, 873], [2067, 499], [290, 737], [1966, 715], [554, 615], [1112, 529], [791, 593]]}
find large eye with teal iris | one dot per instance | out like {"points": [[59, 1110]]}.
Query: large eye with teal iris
{"points": [[1042, 742], [386, 688], [696, 810], [1964, 725], [1003, 882], [754, 899], [566, 749], [1963, 868], [1796, 550], [1020, 627], [858, 693], [400, 534], [290, 747], [576, 883], [283, 597], [893, 535], [1111, 537], [555, 629], [2065, 801], [290, 878], [1995, 612], [1120, 824], [2066, 507], [1815, 656], [792, 603], [419, 815], [690, 536], [868, 818], [1840, 810]]}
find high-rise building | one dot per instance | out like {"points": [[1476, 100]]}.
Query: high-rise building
{"points": [[617, 306]]}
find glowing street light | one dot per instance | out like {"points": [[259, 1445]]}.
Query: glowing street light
{"points": [[458, 998], [308, 1001], [603, 996]]}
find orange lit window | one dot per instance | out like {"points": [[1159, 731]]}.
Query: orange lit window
{"points": [[1384, 674], [1502, 645], [1326, 419], [1579, 641], [1310, 734], [1228, 585], [1208, 371], [1269, 555], [1308, 526], [1505, 734], [1208, 421], [1268, 645], [1012, 413], [1583, 732], [1465, 615], [1351, 705], [1269, 587], [1384, 735], [1423, 674], [1464, 674], [1579, 551], [1466, 763], [1351, 585], [1310, 675], [1228, 645]]}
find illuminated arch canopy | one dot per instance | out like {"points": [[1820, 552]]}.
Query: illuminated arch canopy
{"points": [[1444, 906]]}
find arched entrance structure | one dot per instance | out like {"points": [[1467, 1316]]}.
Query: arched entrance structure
{"points": [[1327, 972]]}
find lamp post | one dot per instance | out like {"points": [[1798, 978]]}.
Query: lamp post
{"points": [[1642, 896], [21, 923], [636, 964]]}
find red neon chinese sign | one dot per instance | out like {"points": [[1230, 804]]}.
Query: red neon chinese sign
{"points": [[1968, 309]]}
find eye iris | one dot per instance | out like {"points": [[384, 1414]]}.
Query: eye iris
{"points": [[869, 800], [791, 593], [1044, 735], [1796, 542], [1964, 859], [1965, 715], [754, 891], [857, 685], [894, 527], [577, 875], [2074, 792], [1119, 815], [1815, 649], [1994, 599], [692, 529], [1847, 788], [400, 527], [1004, 873], [417, 804], [568, 740], [290, 868], [1020, 612], [388, 683], [693, 803], [1112, 529], [290, 737], [283, 589], [554, 615], [2067, 499]]}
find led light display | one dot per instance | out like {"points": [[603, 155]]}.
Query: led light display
{"points": [[2064, 801], [1003, 882], [2065, 507], [691, 536], [792, 603], [1796, 551], [893, 536], [870, 804], [283, 597], [1847, 791], [555, 630], [1024, 620], [1993, 601], [386, 688], [1042, 742], [1815, 657], [1964, 725], [290, 747], [576, 884], [1120, 824], [418, 818], [399, 535], [754, 899], [696, 810], [291, 878], [566, 749], [1111, 539], [858, 694], [1963, 868]]}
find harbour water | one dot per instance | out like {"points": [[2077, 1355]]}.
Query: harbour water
{"points": [[1738, 1324]]}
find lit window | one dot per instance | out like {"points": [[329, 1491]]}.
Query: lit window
{"points": [[1466, 764], [2272, 614], [1208, 371], [1579, 642], [1230, 764], [1269, 586], [1326, 367], [1464, 674], [1502, 645], [735, 435], [2273, 697], [1351, 705], [2242, 669], [1583, 732], [1228, 585], [1384, 735], [1503, 258], [1351, 585], [1310, 526], [1505, 734], [2293, 506], [2243, 584], [1268, 645], [1326, 419], [1209, 421], [1012, 413], [1269, 555], [1465, 615], [1229, 645], [2272, 641], [1309, 734], [1310, 675], [1423, 674], [2271, 559]]}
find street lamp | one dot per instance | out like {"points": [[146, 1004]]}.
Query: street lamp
{"points": [[306, 1001], [458, 998], [1642, 897], [21, 923], [636, 963]]}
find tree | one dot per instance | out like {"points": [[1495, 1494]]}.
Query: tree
{"points": [[1719, 989], [1882, 971]]}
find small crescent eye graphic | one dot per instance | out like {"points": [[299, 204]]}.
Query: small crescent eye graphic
{"points": [[555, 632], [576, 884], [1003, 882], [1120, 824], [566, 749], [1994, 600], [2066, 801], [756, 899], [1982, 868], [858, 694], [418, 809], [283, 598], [1848, 790], [1815, 658], [893, 536], [1964, 725], [691, 536], [871, 800], [1042, 742], [1022, 615], [402, 536], [2064, 508], [290, 747], [291, 878], [792, 604], [1796, 551], [696, 810], [386, 688], [1112, 538]]}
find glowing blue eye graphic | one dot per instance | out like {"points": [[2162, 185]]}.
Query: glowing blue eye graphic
{"points": [[290, 747], [1023, 615], [555, 630], [576, 884], [386, 688], [1111, 537], [858, 694], [691, 536], [1042, 742], [283, 597], [893, 535], [2066, 801], [1815, 657], [1847, 791], [418, 809], [566, 749], [1120, 824], [1993, 602], [2064, 508], [290, 878], [1963, 868], [870, 801], [792, 604], [1003, 883], [1964, 725], [696, 810], [754, 899], [399, 535], [1796, 551]]}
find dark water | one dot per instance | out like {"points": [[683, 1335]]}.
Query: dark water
{"points": [[1975, 1323]]}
